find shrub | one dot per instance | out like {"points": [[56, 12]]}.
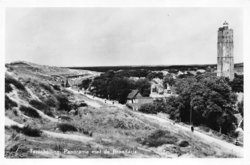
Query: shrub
{"points": [[86, 132], [9, 103], [49, 113], [65, 127], [7, 88], [47, 87], [28, 111], [39, 105], [158, 138], [50, 102], [82, 104], [9, 80], [183, 143], [78, 104], [27, 130], [64, 103], [16, 128], [57, 87], [148, 108]]}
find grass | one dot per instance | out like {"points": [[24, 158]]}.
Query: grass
{"points": [[9, 104], [28, 111]]}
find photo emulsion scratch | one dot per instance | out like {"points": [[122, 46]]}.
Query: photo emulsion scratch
{"points": [[124, 82]]}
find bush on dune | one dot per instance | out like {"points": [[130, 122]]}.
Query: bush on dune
{"points": [[9, 103], [51, 102], [64, 103], [9, 80], [39, 105], [27, 130], [65, 127], [158, 138], [8, 88], [28, 111], [148, 108], [47, 87]]}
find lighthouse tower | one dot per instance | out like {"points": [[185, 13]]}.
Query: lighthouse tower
{"points": [[225, 47]]}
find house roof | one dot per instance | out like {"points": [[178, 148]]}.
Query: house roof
{"points": [[134, 94]]}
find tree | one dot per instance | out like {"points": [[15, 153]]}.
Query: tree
{"points": [[237, 83], [144, 86], [168, 79], [209, 98], [153, 75], [111, 86], [119, 88], [85, 83]]}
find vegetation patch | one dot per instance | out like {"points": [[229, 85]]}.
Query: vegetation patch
{"points": [[148, 108], [158, 138], [41, 106], [8, 88], [63, 102], [183, 143], [57, 87], [9, 80], [28, 111], [51, 102], [9, 103], [28, 131], [66, 127], [47, 87]]}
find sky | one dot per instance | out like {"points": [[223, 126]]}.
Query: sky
{"points": [[118, 36]]}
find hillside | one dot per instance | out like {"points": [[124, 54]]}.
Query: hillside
{"points": [[44, 119]]}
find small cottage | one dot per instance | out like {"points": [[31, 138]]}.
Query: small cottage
{"points": [[134, 96], [135, 100]]}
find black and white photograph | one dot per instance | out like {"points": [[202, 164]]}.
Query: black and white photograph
{"points": [[123, 82]]}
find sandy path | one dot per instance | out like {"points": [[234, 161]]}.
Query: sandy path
{"points": [[93, 101], [80, 138], [9, 122], [220, 143], [79, 95]]}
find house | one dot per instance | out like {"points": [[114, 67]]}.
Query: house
{"points": [[133, 96], [135, 100]]}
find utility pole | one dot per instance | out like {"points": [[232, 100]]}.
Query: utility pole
{"points": [[190, 115]]}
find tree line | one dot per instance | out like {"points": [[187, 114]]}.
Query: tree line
{"points": [[117, 85], [201, 100]]}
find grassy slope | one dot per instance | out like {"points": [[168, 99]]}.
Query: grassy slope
{"points": [[112, 129]]}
